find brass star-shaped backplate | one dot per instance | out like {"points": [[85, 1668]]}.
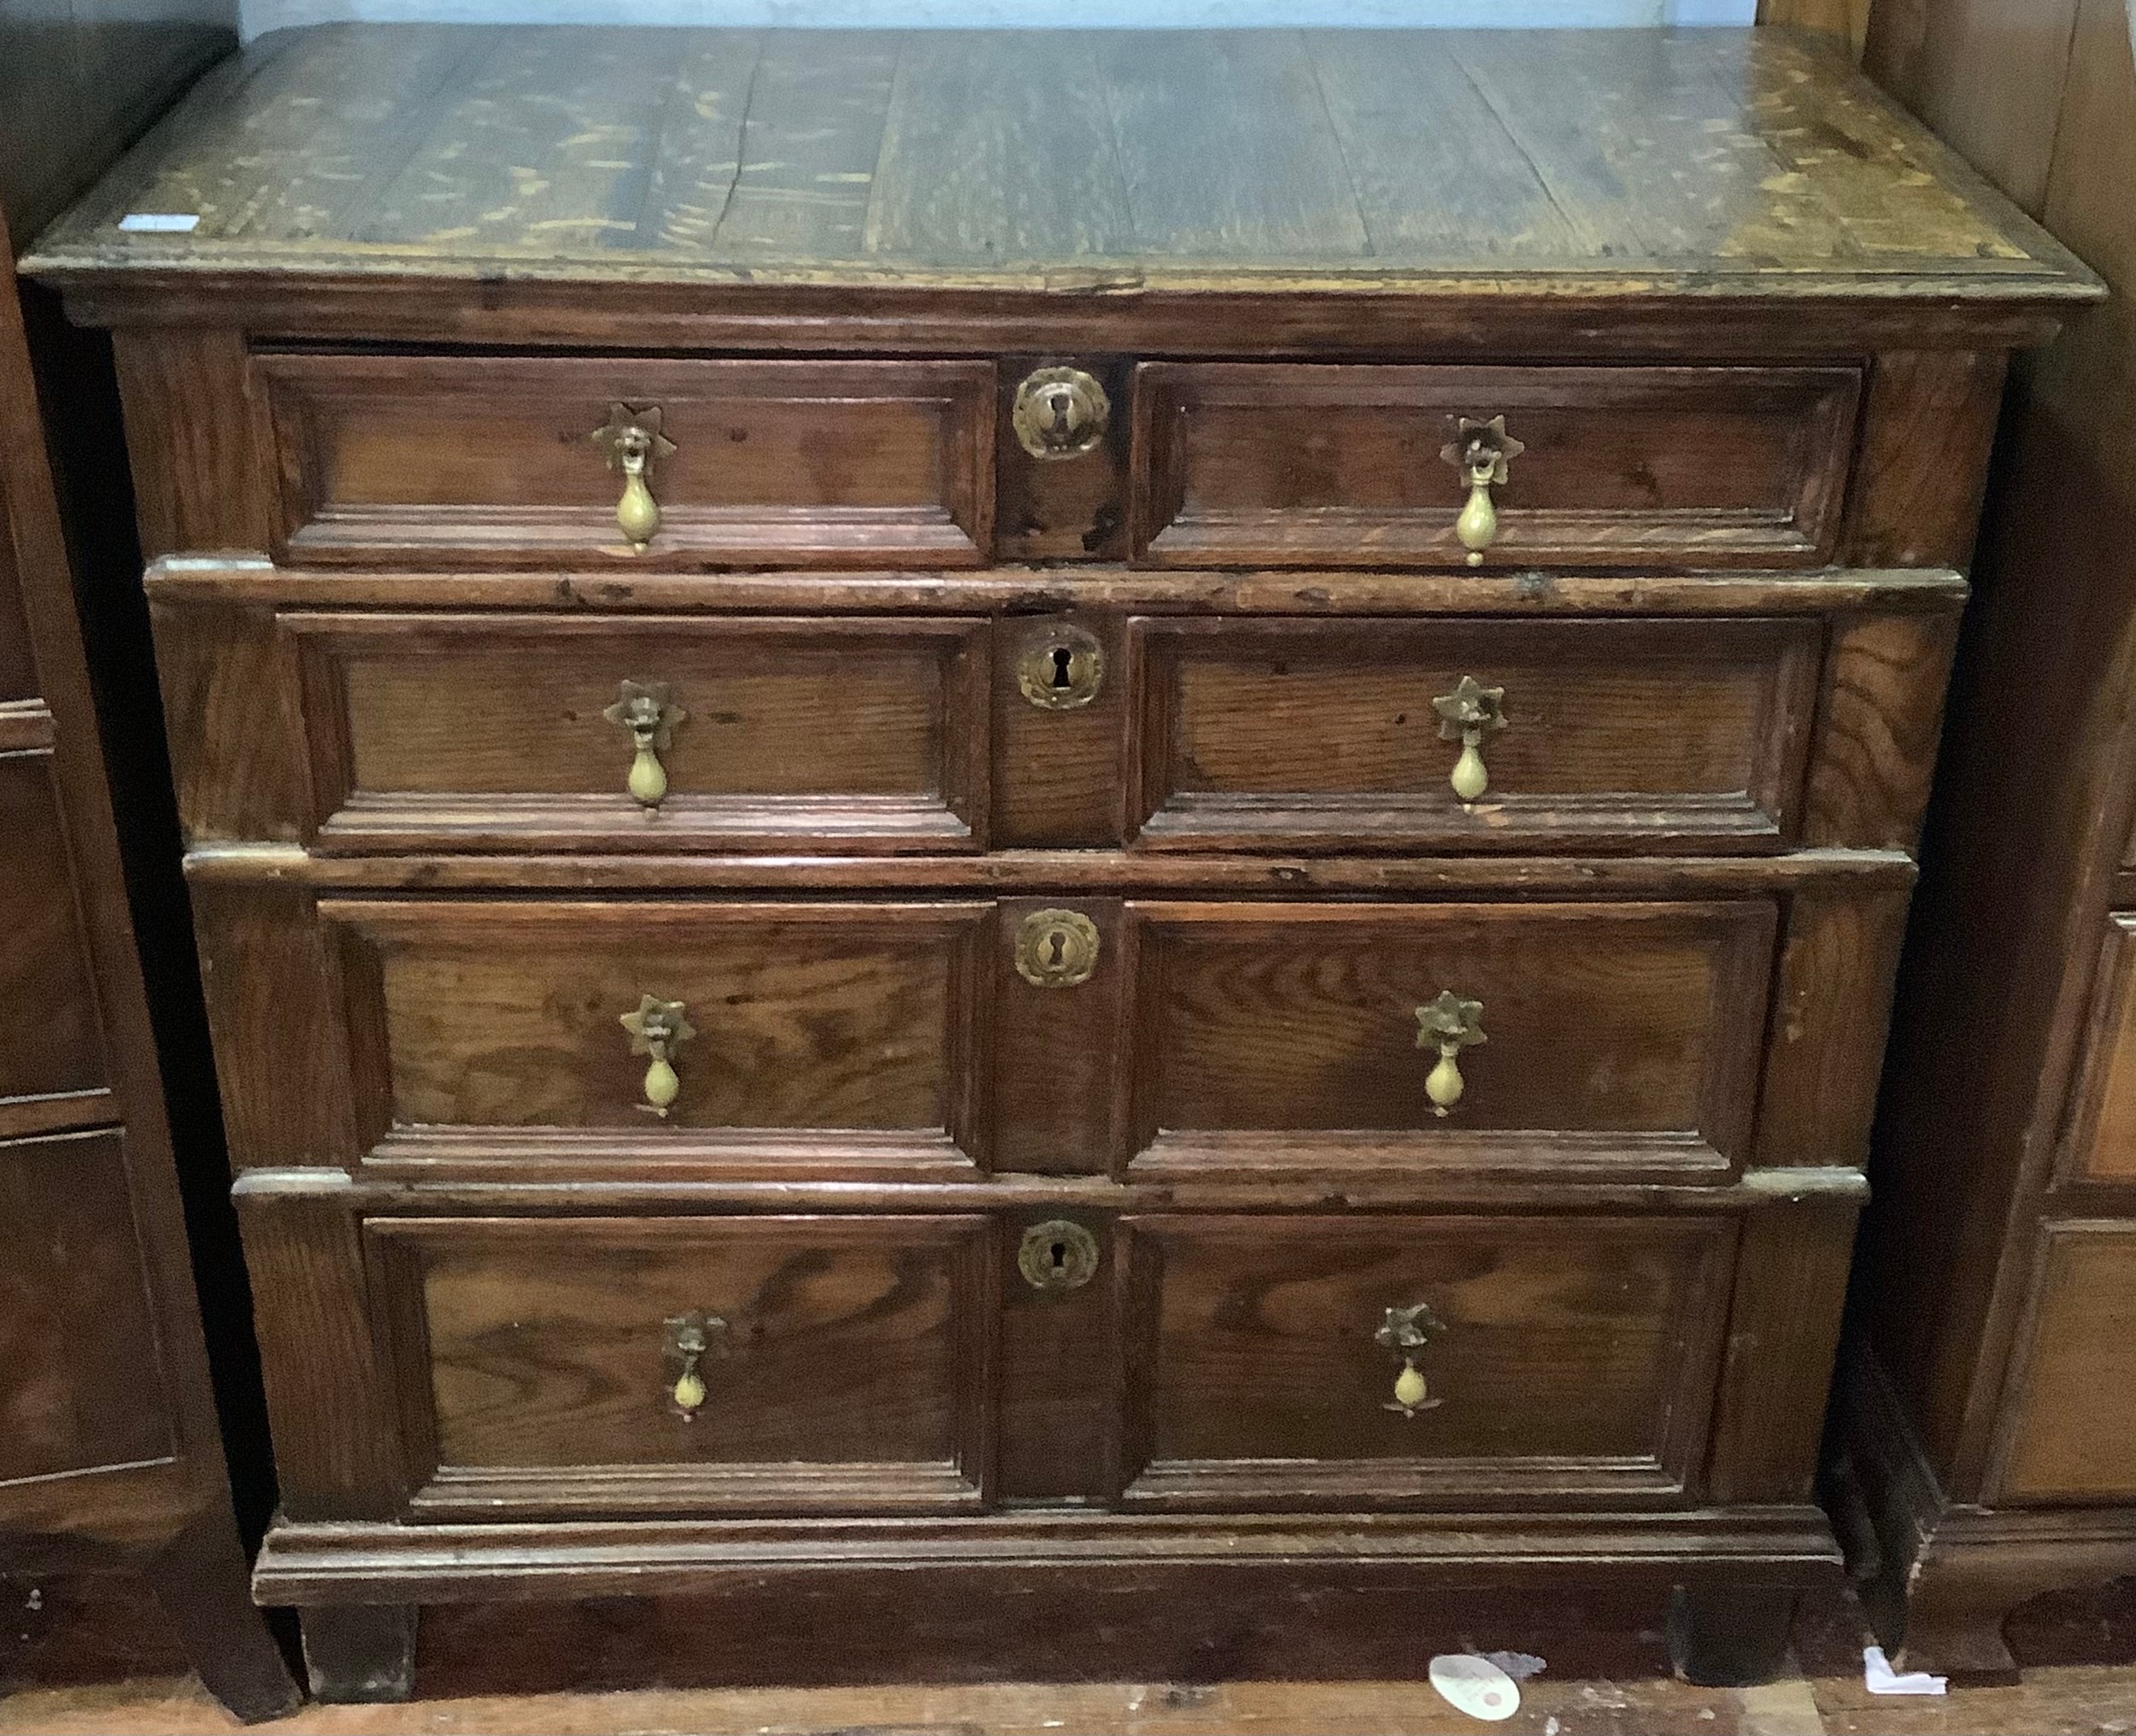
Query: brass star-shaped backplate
{"points": [[629, 431], [656, 1021], [1409, 1328], [1480, 450], [1472, 706], [1450, 1022], [645, 708]]}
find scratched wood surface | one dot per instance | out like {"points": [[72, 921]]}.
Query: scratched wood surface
{"points": [[1633, 160]]}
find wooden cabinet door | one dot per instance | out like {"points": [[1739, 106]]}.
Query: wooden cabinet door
{"points": [[846, 1365], [2069, 1422]]}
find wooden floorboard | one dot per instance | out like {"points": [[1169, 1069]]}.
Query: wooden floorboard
{"points": [[93, 1657]]}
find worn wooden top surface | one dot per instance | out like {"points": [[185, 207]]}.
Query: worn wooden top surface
{"points": [[1604, 162]]}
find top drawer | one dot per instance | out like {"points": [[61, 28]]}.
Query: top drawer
{"points": [[513, 461], [1334, 466]]}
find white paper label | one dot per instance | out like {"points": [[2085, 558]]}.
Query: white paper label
{"points": [[159, 222], [1475, 1685]]}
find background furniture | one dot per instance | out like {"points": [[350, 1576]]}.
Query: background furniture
{"points": [[1991, 1414], [1050, 815], [109, 1449]]}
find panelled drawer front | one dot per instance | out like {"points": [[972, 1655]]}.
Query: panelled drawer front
{"points": [[504, 732], [490, 460], [1341, 465], [2100, 1144], [2069, 1427], [1669, 735], [1566, 1358], [1619, 1039], [833, 1037], [542, 1364]]}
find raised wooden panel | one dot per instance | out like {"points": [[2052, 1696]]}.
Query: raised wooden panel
{"points": [[1576, 1359], [486, 459], [2070, 1418], [1661, 735], [84, 1388], [2099, 1143], [487, 732], [50, 1044], [1621, 1039], [828, 1037], [1341, 465], [850, 1372]]}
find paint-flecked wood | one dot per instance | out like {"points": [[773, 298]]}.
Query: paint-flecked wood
{"points": [[847, 1370], [1575, 1356], [1645, 161]]}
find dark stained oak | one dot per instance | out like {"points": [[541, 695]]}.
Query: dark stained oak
{"points": [[1985, 1411], [536, 1371], [112, 1455], [459, 460], [1056, 847], [1321, 466]]}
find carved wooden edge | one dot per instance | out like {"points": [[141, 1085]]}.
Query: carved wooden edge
{"points": [[1928, 433], [1021, 592], [325, 1564], [1894, 309], [1944, 1574]]}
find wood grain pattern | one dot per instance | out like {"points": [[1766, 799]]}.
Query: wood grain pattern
{"points": [[51, 1044], [1322, 466], [1168, 157], [1927, 432], [471, 460], [532, 1358], [2100, 1144], [2066, 1434], [1664, 735], [1277, 1036], [1576, 1359], [199, 442], [842, 1033], [487, 732]]}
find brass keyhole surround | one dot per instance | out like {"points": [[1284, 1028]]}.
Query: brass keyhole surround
{"points": [[1059, 413], [1058, 1254], [1057, 948], [1061, 669]]}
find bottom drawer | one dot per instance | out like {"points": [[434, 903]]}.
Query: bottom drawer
{"points": [[553, 1366], [1292, 1362]]}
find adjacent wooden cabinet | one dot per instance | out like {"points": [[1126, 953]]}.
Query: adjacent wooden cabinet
{"points": [[1119, 812], [110, 1453], [1988, 1420]]}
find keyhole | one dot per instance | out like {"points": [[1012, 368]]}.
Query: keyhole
{"points": [[1057, 944], [1062, 658], [1058, 1253]]}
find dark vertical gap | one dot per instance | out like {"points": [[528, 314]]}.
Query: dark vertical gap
{"points": [[75, 377]]}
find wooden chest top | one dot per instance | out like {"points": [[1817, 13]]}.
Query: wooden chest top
{"points": [[1649, 163]]}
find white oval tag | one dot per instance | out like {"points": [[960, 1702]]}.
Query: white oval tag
{"points": [[1475, 1685]]}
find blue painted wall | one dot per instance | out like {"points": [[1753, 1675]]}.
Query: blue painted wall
{"points": [[261, 16]]}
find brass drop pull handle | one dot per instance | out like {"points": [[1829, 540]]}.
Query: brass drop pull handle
{"points": [[1480, 451], [1405, 1331], [644, 712], [631, 442], [1449, 1024], [657, 1030], [1472, 714], [689, 1339]]}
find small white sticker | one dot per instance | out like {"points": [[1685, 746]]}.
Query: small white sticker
{"points": [[1475, 1685], [160, 222]]}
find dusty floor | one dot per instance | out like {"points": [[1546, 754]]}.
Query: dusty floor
{"points": [[93, 1656]]}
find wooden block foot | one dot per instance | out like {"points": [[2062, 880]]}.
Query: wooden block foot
{"points": [[360, 1653]]}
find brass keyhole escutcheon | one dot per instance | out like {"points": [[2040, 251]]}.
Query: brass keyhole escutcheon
{"points": [[1059, 413], [1057, 1255], [1056, 949], [1061, 669]]}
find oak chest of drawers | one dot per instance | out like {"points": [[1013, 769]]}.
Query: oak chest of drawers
{"points": [[1089, 810]]}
